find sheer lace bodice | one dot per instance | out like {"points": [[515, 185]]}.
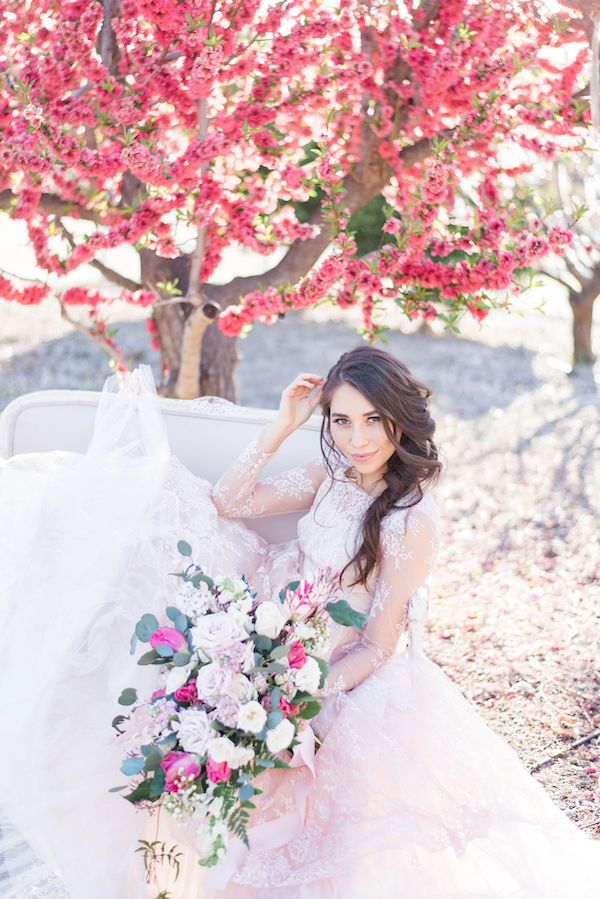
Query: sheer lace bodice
{"points": [[328, 537]]}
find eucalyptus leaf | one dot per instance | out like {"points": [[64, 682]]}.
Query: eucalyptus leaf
{"points": [[149, 658], [173, 612], [279, 652], [184, 548], [246, 791], [343, 613], [118, 789], [167, 743], [275, 668], [132, 644], [262, 643], [265, 763], [146, 626], [128, 696], [275, 697], [117, 720], [181, 623], [132, 766], [157, 784], [274, 718], [164, 650], [181, 658], [152, 762]]}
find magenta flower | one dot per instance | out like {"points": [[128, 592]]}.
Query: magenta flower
{"points": [[217, 771], [296, 655], [177, 765], [187, 693], [168, 636]]}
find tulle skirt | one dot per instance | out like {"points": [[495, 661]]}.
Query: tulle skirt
{"points": [[412, 795]]}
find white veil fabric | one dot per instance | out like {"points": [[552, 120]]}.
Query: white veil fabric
{"points": [[69, 598]]}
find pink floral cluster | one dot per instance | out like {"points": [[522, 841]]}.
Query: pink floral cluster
{"points": [[291, 107]]}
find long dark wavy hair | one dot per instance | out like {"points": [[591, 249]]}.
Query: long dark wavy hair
{"points": [[401, 401]]}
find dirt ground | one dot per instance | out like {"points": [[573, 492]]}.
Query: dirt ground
{"points": [[515, 612]]}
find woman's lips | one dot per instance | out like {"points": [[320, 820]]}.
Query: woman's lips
{"points": [[365, 457]]}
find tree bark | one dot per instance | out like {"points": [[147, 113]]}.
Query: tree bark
{"points": [[582, 306]]}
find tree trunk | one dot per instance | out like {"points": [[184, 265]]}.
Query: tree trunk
{"points": [[582, 306], [219, 353]]}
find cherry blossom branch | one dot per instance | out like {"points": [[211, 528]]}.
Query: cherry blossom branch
{"points": [[105, 343], [55, 206], [109, 273]]}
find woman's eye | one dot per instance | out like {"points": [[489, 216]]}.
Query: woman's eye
{"points": [[339, 421]]}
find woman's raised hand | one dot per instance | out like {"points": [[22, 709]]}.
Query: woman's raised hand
{"points": [[296, 405]]}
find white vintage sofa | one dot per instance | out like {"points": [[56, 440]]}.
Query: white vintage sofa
{"points": [[206, 434]]}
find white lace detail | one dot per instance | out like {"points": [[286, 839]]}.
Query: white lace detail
{"points": [[239, 493]]}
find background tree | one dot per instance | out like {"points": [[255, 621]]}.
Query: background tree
{"points": [[182, 128], [578, 270]]}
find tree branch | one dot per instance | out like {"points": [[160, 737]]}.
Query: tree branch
{"points": [[303, 254], [105, 270], [55, 206]]}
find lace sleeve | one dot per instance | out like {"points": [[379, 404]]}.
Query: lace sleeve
{"points": [[239, 494], [408, 546]]}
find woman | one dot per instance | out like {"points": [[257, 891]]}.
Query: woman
{"points": [[413, 796]]}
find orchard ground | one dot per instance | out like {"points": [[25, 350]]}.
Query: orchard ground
{"points": [[515, 611]]}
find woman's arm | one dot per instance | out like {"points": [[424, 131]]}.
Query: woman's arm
{"points": [[239, 493], [409, 544]]}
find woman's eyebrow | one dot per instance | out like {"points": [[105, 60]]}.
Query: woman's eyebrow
{"points": [[372, 412]]}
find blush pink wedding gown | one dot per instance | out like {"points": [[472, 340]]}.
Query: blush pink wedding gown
{"points": [[411, 795]]}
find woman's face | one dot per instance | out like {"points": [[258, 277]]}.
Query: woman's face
{"points": [[357, 431]]}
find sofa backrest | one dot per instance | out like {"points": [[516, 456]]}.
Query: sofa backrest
{"points": [[206, 434]]}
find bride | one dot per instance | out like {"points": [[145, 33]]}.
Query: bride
{"points": [[412, 796]]}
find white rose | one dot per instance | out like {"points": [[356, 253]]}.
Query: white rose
{"points": [[217, 632], [308, 677], [281, 736], [238, 611], [242, 755], [270, 618], [212, 682], [251, 717], [220, 749], [242, 688], [194, 730]]}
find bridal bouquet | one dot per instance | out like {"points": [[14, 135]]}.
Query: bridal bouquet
{"points": [[238, 682]]}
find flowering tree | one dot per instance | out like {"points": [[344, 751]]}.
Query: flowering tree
{"points": [[156, 122]]}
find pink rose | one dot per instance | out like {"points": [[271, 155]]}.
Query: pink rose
{"points": [[157, 693], [168, 636], [172, 764], [187, 693], [217, 771], [296, 655], [286, 707]]}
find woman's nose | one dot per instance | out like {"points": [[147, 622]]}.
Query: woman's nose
{"points": [[358, 440]]}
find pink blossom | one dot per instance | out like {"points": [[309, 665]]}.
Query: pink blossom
{"points": [[187, 693], [217, 771], [178, 765], [296, 655], [168, 636]]}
